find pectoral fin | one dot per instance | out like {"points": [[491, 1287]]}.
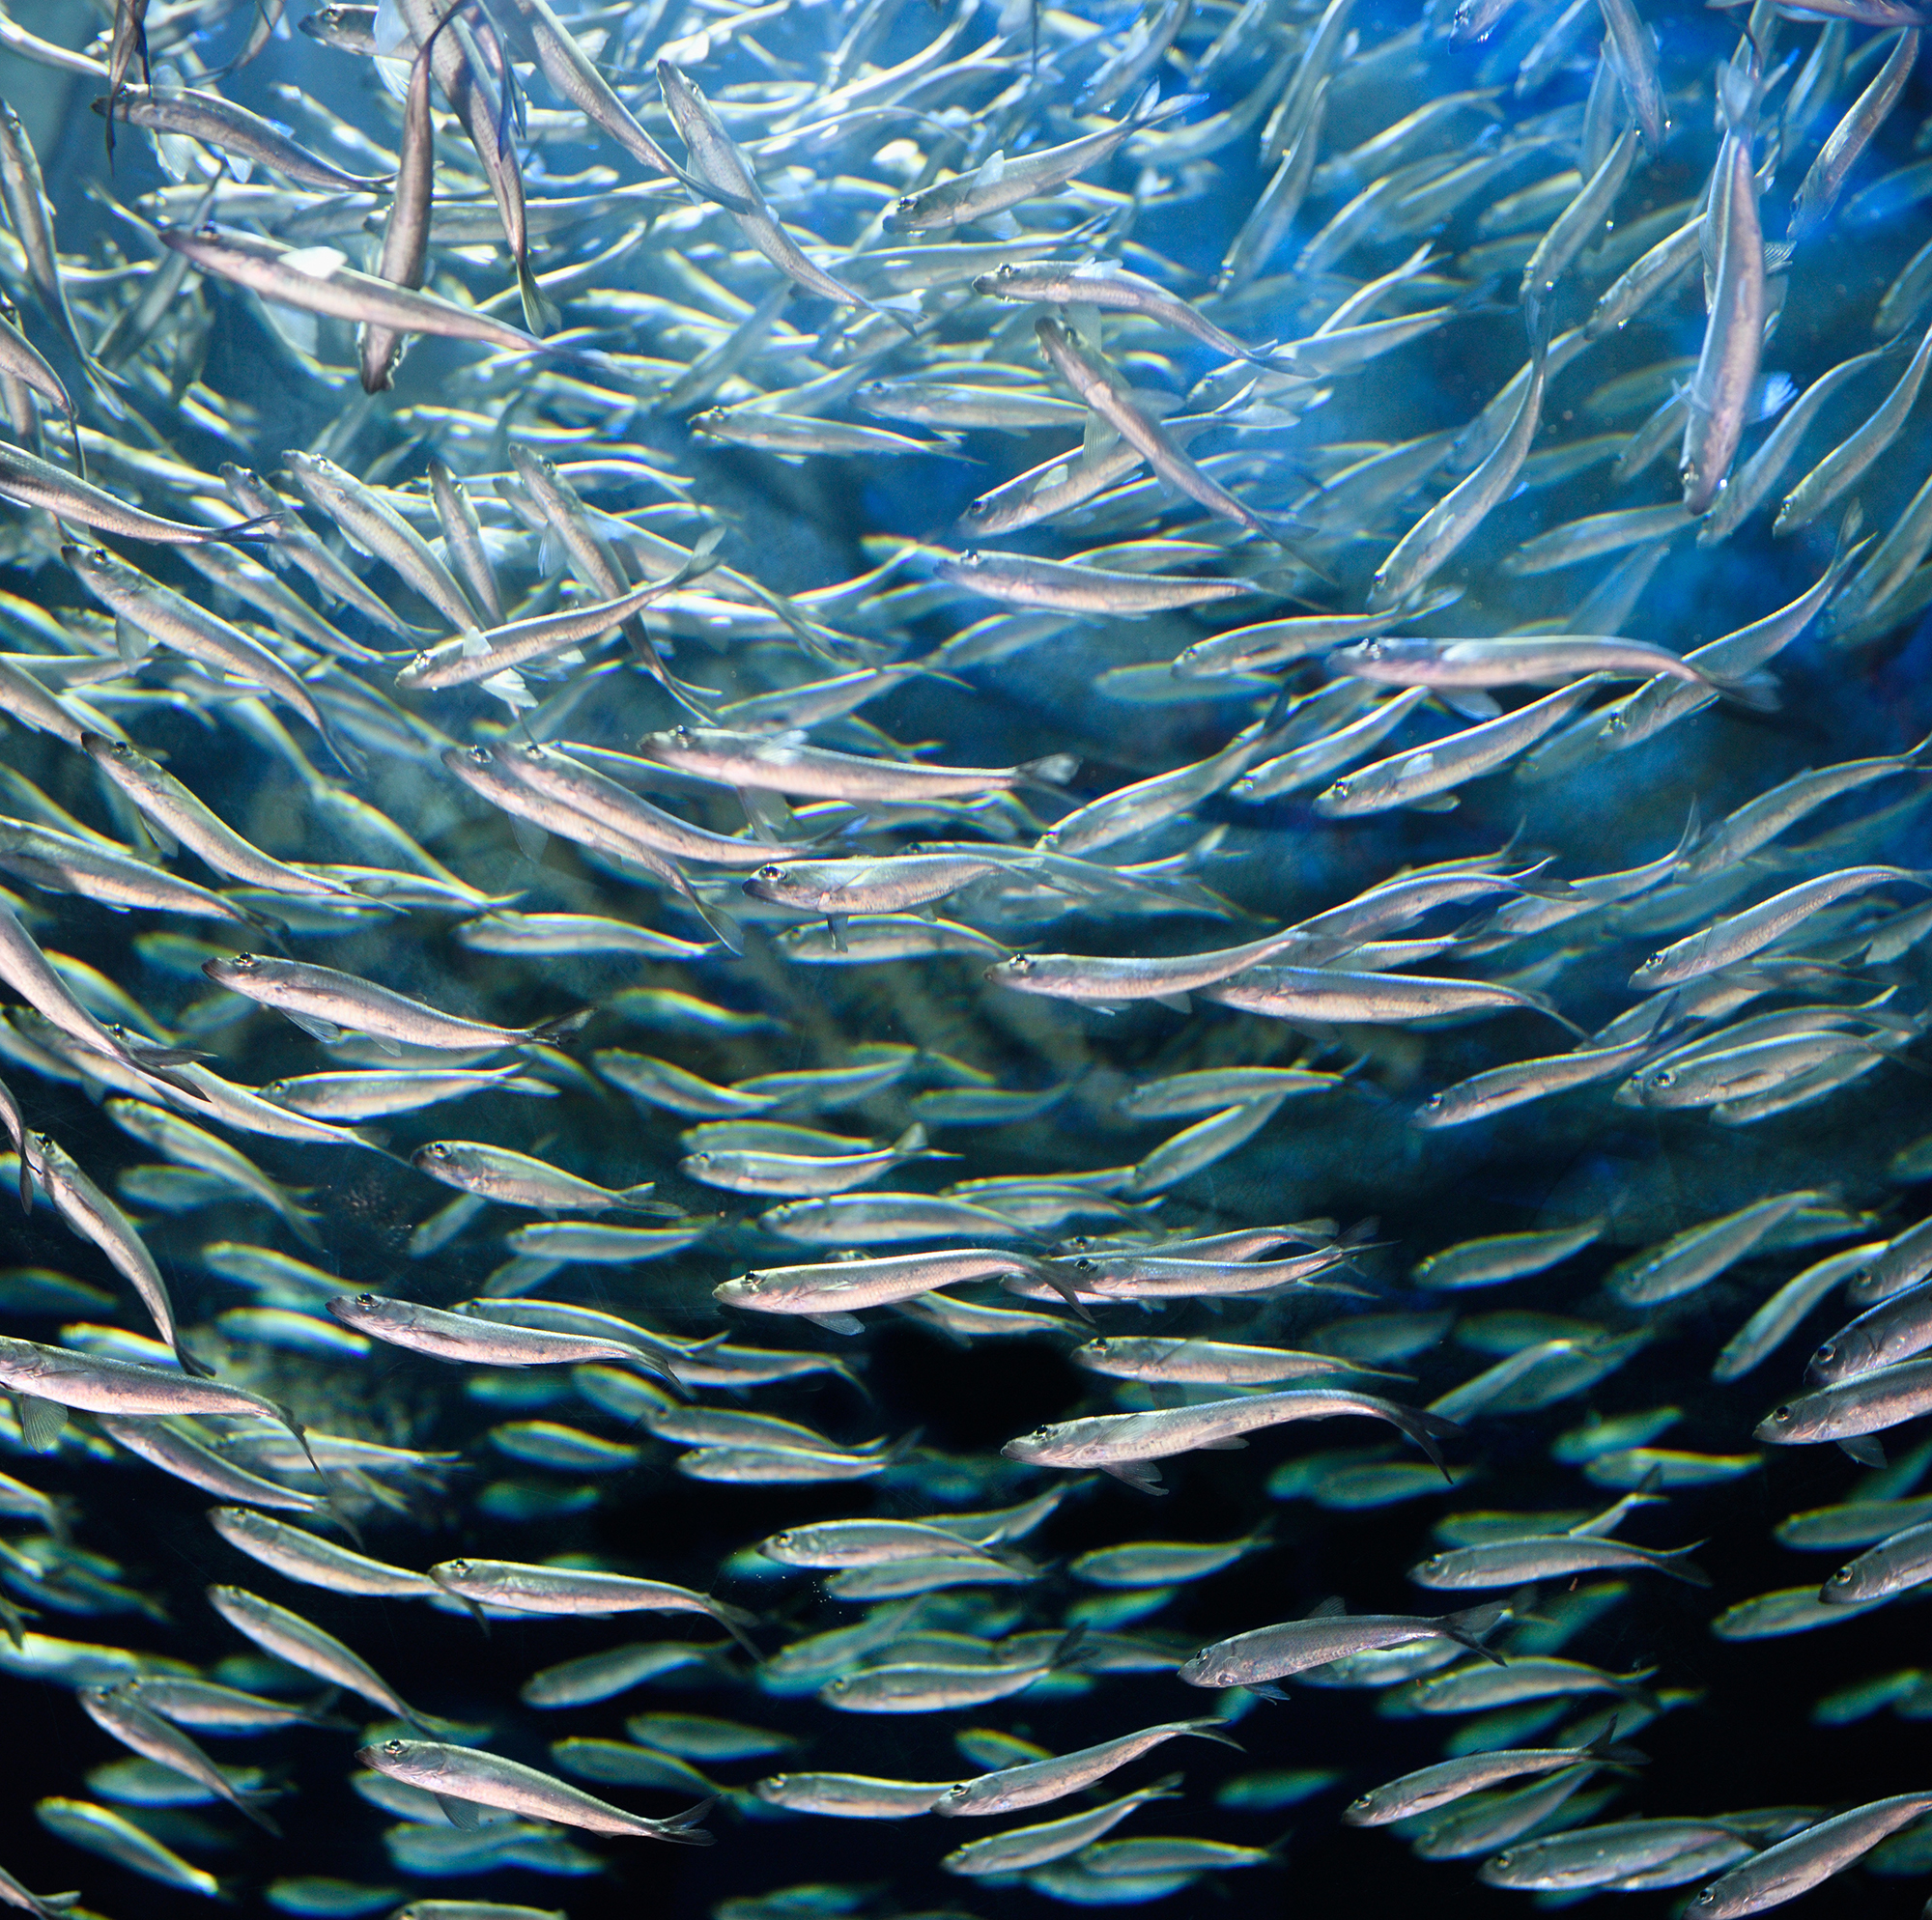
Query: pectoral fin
{"points": [[460, 1814], [41, 1422]]}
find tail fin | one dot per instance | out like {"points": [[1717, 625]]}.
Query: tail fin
{"points": [[1677, 1563], [1424, 1430], [1211, 1729], [563, 1026], [684, 1826], [734, 1621], [540, 314], [1469, 1627], [1050, 770]]}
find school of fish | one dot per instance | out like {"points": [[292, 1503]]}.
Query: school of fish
{"points": [[793, 796]]}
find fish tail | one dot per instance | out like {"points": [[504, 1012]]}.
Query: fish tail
{"points": [[684, 1826], [1211, 1729], [540, 311], [1469, 1627], [1677, 1563]]}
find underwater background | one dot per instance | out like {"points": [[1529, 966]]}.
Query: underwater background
{"points": [[848, 546]]}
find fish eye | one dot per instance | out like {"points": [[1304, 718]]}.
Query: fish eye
{"points": [[393, 1748], [1084, 1266], [1828, 1352], [437, 1149], [1841, 1578], [681, 734], [1663, 1077], [1503, 1859], [769, 873], [1361, 1800], [243, 960], [1021, 963], [422, 659], [458, 1567], [478, 756], [1340, 789], [365, 1300], [1783, 1416]]}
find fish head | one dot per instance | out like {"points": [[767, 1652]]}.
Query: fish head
{"points": [[774, 1788], [955, 1798], [1013, 971], [1031, 1445], [1840, 1587], [904, 214], [1840, 1357], [1649, 1088], [123, 752], [429, 1159], [91, 562], [1779, 1425], [669, 740], [745, 1289], [1203, 1671], [237, 967], [999, 282], [768, 883]]}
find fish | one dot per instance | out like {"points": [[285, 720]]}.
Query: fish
{"points": [[997, 695], [1036, 1783], [1330, 1633], [463, 1778], [1126, 1445], [327, 1002]]}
